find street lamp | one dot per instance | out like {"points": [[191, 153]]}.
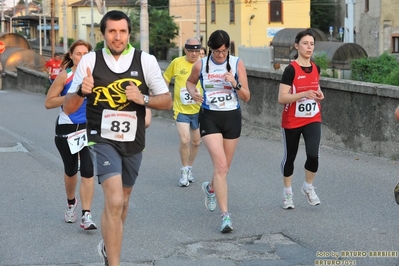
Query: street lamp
{"points": [[92, 21], [100, 6], [40, 30], [11, 27]]}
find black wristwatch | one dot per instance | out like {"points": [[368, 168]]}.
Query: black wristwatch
{"points": [[79, 91], [238, 87]]}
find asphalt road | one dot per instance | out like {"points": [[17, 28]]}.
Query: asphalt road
{"points": [[169, 225]]}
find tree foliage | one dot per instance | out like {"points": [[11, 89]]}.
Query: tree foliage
{"points": [[162, 29], [158, 3], [322, 61], [322, 14], [383, 70]]}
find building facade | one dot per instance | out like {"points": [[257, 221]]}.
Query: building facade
{"points": [[377, 26], [189, 17], [254, 23], [83, 17]]}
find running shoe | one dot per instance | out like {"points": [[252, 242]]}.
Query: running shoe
{"points": [[102, 253], [183, 181], [311, 195], [288, 203], [87, 223], [210, 198], [70, 214], [227, 225], [190, 176], [396, 193]]}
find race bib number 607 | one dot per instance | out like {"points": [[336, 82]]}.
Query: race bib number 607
{"points": [[306, 108], [119, 125]]}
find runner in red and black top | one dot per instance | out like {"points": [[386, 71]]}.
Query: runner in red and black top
{"points": [[53, 67], [301, 95]]}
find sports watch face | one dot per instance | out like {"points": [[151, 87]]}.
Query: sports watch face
{"points": [[146, 99]]}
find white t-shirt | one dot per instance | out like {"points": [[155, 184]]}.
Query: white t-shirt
{"points": [[151, 70]]}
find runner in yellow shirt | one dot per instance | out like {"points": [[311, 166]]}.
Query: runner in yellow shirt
{"points": [[185, 109]]}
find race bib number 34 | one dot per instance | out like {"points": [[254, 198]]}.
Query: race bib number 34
{"points": [[306, 108], [119, 125]]}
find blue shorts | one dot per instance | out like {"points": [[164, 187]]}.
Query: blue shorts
{"points": [[108, 162], [189, 119]]}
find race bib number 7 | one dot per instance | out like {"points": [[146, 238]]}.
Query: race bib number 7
{"points": [[119, 125], [306, 108]]}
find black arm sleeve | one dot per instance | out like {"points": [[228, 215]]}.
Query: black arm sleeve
{"points": [[288, 75]]}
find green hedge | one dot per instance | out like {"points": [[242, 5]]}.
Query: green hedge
{"points": [[382, 70]]}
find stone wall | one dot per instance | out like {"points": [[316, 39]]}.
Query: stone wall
{"points": [[26, 79], [357, 116]]}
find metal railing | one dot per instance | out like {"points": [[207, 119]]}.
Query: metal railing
{"points": [[256, 58]]}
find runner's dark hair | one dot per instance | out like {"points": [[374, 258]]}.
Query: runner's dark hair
{"points": [[216, 40], [300, 35], [115, 15]]}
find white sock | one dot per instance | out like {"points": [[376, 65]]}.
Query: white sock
{"points": [[307, 185], [287, 190], [184, 168], [189, 167]]}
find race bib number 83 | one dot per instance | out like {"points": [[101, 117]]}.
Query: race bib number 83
{"points": [[119, 125]]}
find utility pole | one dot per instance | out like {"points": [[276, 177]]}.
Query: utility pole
{"points": [[92, 24], [104, 10], [144, 43], [349, 36], [198, 21], [45, 11], [2, 15], [52, 29], [64, 30]]}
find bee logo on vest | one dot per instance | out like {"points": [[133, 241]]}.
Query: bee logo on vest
{"points": [[114, 93]]}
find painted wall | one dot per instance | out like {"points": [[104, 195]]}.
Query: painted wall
{"points": [[389, 24], [78, 20], [256, 32], [185, 13], [375, 27]]}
